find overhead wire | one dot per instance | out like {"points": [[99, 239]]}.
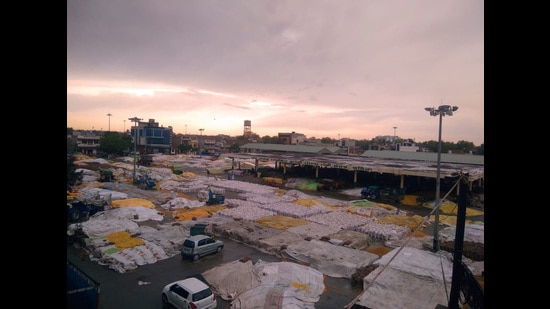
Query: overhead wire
{"points": [[354, 301]]}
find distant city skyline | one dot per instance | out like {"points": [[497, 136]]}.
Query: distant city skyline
{"points": [[345, 69], [387, 137]]}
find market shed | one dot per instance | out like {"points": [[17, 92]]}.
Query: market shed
{"points": [[398, 163]]}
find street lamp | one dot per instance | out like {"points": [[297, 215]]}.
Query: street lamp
{"points": [[200, 154], [441, 111], [135, 120], [394, 128], [109, 115]]}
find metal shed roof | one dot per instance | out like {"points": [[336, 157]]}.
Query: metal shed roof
{"points": [[290, 148], [393, 162], [425, 156]]}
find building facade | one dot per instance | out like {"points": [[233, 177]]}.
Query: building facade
{"points": [[151, 138]]}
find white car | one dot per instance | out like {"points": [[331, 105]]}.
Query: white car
{"points": [[190, 293]]}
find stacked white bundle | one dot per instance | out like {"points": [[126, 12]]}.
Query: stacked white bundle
{"points": [[262, 199], [293, 210], [340, 218], [385, 231], [231, 202], [247, 212], [242, 186]]}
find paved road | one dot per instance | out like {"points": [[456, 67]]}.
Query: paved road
{"points": [[122, 290]]}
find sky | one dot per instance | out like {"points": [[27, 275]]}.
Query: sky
{"points": [[353, 69]]}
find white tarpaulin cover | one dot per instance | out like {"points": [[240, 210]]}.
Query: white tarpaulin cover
{"points": [[274, 285], [414, 279]]}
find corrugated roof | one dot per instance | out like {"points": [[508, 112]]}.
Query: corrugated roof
{"points": [[290, 148], [379, 154], [425, 156], [393, 162]]}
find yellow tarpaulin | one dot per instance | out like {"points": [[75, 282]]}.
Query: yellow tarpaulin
{"points": [[451, 208], [133, 202], [411, 200], [124, 240], [281, 222], [309, 202], [199, 212], [411, 221]]}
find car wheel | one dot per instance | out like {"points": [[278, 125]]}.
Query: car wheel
{"points": [[164, 299], [219, 249], [195, 257]]}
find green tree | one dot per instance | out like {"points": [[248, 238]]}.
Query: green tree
{"points": [[71, 141], [185, 148], [234, 148], [363, 144], [271, 140], [73, 177], [327, 140], [115, 143], [465, 147], [480, 150]]}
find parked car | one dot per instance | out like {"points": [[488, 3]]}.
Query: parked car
{"points": [[189, 293], [197, 246]]}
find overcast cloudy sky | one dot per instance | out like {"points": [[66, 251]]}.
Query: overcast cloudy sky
{"points": [[345, 68]]}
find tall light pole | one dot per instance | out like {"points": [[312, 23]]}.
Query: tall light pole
{"points": [[200, 154], [109, 115], [124, 126], [135, 120], [394, 128], [441, 111]]}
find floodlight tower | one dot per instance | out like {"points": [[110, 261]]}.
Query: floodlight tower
{"points": [[109, 115], [200, 154], [136, 120], [394, 128], [441, 111]]}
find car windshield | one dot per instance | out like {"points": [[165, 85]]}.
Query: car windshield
{"points": [[202, 294]]}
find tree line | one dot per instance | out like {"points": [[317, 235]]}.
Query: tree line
{"points": [[117, 143]]}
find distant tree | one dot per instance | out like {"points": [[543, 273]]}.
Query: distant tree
{"points": [[73, 177], [271, 140], [430, 145], [327, 140], [234, 148], [254, 137], [480, 150], [464, 146], [115, 143], [71, 141], [185, 148], [363, 144]]}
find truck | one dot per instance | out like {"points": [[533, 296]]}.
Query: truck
{"points": [[214, 199], [145, 160], [387, 194], [330, 184], [145, 182], [82, 290], [106, 175], [80, 209]]}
